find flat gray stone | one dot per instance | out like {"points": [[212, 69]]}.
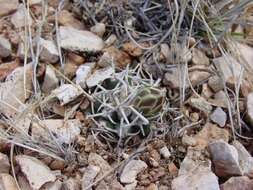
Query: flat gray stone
{"points": [[219, 117], [79, 40]]}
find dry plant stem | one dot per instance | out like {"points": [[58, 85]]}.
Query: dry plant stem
{"points": [[163, 38], [182, 130], [12, 165], [224, 85], [26, 44], [57, 33]]}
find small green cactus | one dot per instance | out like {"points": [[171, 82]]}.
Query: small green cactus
{"points": [[149, 101], [128, 104]]}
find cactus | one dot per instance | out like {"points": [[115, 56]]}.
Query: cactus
{"points": [[128, 104], [149, 101]]}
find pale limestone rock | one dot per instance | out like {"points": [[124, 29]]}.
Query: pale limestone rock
{"points": [[199, 57], [79, 40], [236, 183], [49, 51], [200, 178], [219, 117], [98, 29], [50, 80], [131, 170], [245, 159], [5, 164], [7, 182], [89, 175], [5, 47], [97, 160], [225, 159], [67, 93], [164, 151], [21, 17], [99, 76], [15, 90], [6, 7], [64, 131], [36, 172], [83, 72]]}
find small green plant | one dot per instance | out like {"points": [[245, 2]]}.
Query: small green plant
{"points": [[127, 104]]}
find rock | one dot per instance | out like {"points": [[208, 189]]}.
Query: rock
{"points": [[76, 59], [246, 53], [152, 186], [179, 54], [98, 29], [250, 108], [235, 183], [67, 93], [49, 51], [50, 80], [34, 2], [97, 160], [89, 175], [245, 159], [215, 83], [173, 170], [132, 49], [219, 117], [63, 131], [115, 185], [66, 18], [113, 55], [7, 182], [111, 40], [7, 68], [102, 185], [193, 159], [225, 159], [164, 51], [20, 18], [164, 151], [56, 185], [79, 40], [99, 76], [83, 72], [200, 178], [36, 172], [197, 74], [220, 100], [23, 182], [174, 78], [7, 7], [71, 184], [14, 91], [5, 47], [189, 140], [23, 51], [229, 68], [131, 170], [58, 164], [131, 186], [199, 57], [200, 104], [5, 164], [105, 60], [69, 69], [210, 133]]}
